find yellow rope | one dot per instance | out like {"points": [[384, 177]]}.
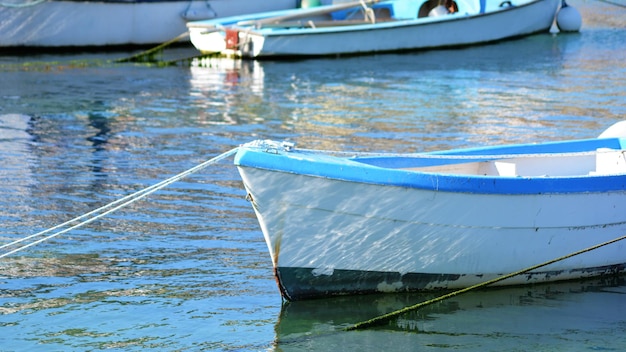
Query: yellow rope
{"points": [[148, 55], [386, 317]]}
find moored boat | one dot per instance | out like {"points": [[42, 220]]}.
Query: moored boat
{"points": [[345, 223], [371, 26], [71, 23]]}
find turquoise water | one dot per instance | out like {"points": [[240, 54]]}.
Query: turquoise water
{"points": [[186, 269]]}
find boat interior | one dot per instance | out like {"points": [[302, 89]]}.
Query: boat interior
{"points": [[366, 13], [595, 162], [601, 162]]}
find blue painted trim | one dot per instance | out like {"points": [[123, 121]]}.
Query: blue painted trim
{"points": [[382, 170]]}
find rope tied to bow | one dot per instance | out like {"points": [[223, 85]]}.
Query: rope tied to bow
{"points": [[106, 209]]}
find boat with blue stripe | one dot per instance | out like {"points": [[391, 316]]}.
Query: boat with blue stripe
{"points": [[348, 223]]}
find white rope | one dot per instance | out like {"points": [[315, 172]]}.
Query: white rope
{"points": [[368, 13], [125, 201]]}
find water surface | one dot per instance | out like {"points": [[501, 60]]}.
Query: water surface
{"points": [[186, 268]]}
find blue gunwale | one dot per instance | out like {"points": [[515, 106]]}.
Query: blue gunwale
{"points": [[387, 170]]}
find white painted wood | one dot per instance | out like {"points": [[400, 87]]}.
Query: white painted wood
{"points": [[379, 228], [62, 23]]}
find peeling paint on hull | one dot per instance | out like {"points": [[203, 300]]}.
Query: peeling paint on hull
{"points": [[302, 283]]}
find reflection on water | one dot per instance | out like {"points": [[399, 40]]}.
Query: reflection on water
{"points": [[187, 268], [16, 178], [515, 91], [501, 318]]}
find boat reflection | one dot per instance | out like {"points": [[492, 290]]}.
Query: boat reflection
{"points": [[17, 175], [503, 313], [522, 54], [408, 94]]}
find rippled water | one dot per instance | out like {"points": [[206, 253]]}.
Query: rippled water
{"points": [[187, 268]]}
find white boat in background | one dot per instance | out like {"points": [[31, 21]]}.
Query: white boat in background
{"points": [[76, 23], [370, 26], [337, 225]]}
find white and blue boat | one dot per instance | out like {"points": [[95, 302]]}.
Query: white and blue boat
{"points": [[373, 26], [346, 223]]}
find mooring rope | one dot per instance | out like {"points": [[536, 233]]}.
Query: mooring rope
{"points": [[146, 56], [386, 317], [113, 206]]}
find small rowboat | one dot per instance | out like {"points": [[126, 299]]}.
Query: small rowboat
{"points": [[339, 224], [370, 26]]}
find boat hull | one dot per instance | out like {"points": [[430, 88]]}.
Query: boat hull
{"points": [[328, 236], [302, 283], [61, 23]]}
